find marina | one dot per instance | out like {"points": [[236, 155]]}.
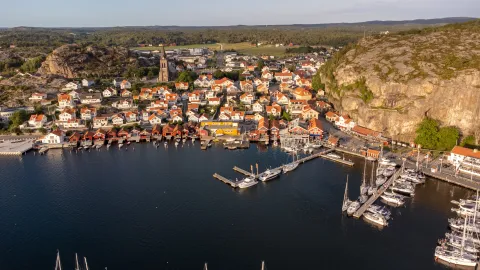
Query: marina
{"points": [[41, 195]]}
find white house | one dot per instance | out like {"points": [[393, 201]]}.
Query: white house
{"points": [[90, 98], [88, 113], [123, 104], [54, 137], [37, 120], [465, 157], [37, 97], [344, 122], [67, 115], [154, 119], [99, 122], [72, 86], [117, 120], [131, 116], [214, 101], [247, 98], [65, 100], [74, 94], [109, 92], [257, 107], [238, 116], [87, 83]]}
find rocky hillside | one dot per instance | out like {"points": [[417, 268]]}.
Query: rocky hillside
{"points": [[74, 61], [390, 83]]}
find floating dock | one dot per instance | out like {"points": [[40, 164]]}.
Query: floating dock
{"points": [[376, 195], [226, 180], [244, 172]]}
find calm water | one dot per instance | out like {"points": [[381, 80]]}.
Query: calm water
{"points": [[157, 209]]}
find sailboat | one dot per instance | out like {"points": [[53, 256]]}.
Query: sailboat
{"points": [[290, 166], [363, 187], [263, 265], [346, 202], [86, 264], [205, 267], [372, 188], [58, 264], [77, 267], [452, 256]]}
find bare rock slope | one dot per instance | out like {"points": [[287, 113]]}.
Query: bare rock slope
{"points": [[74, 61], [390, 83]]}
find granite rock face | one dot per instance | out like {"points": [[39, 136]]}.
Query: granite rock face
{"points": [[432, 73], [74, 61]]}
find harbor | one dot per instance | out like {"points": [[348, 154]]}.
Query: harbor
{"points": [[174, 192]]}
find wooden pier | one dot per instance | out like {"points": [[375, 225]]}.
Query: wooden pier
{"points": [[244, 172], [339, 160], [226, 180], [376, 195]]}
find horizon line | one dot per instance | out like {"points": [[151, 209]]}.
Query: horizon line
{"points": [[237, 25]]}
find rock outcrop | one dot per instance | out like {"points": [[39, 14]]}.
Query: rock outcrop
{"points": [[74, 61], [390, 83]]}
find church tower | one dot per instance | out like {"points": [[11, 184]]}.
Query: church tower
{"points": [[164, 74]]}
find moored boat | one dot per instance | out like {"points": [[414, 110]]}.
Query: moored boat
{"points": [[248, 182], [269, 174], [375, 218]]}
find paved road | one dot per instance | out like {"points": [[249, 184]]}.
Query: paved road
{"points": [[19, 137]]}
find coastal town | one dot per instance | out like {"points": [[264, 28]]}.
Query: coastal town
{"points": [[272, 101]]}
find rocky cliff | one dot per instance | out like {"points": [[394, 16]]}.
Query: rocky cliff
{"points": [[74, 61], [390, 83]]}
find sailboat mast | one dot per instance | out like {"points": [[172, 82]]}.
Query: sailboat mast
{"points": [[263, 265], [464, 233], [86, 264], [205, 267], [371, 177], [58, 265], [364, 171], [76, 262], [476, 207]]}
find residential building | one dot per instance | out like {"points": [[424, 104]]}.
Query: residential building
{"points": [[88, 113], [72, 86], [99, 122], [309, 113], [274, 110], [302, 94], [37, 120], [214, 101], [247, 98], [331, 116], [181, 86], [125, 85], [90, 98], [315, 128], [67, 114], [109, 92], [65, 100], [344, 122], [123, 104], [38, 97], [87, 83], [54, 137], [465, 159], [246, 86]]}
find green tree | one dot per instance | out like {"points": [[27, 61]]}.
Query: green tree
{"points": [[468, 142], [317, 82], [42, 130], [187, 76], [292, 68], [447, 138], [286, 116], [427, 133], [18, 118], [218, 74]]}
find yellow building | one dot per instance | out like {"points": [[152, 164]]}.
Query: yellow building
{"points": [[221, 127]]}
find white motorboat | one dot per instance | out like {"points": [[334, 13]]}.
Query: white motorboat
{"points": [[353, 207], [269, 174], [332, 155], [387, 172], [393, 200], [380, 180], [377, 209], [363, 198], [412, 178], [404, 188], [371, 190], [248, 182], [375, 218], [386, 162]]}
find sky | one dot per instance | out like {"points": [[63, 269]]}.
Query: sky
{"points": [[89, 13]]}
